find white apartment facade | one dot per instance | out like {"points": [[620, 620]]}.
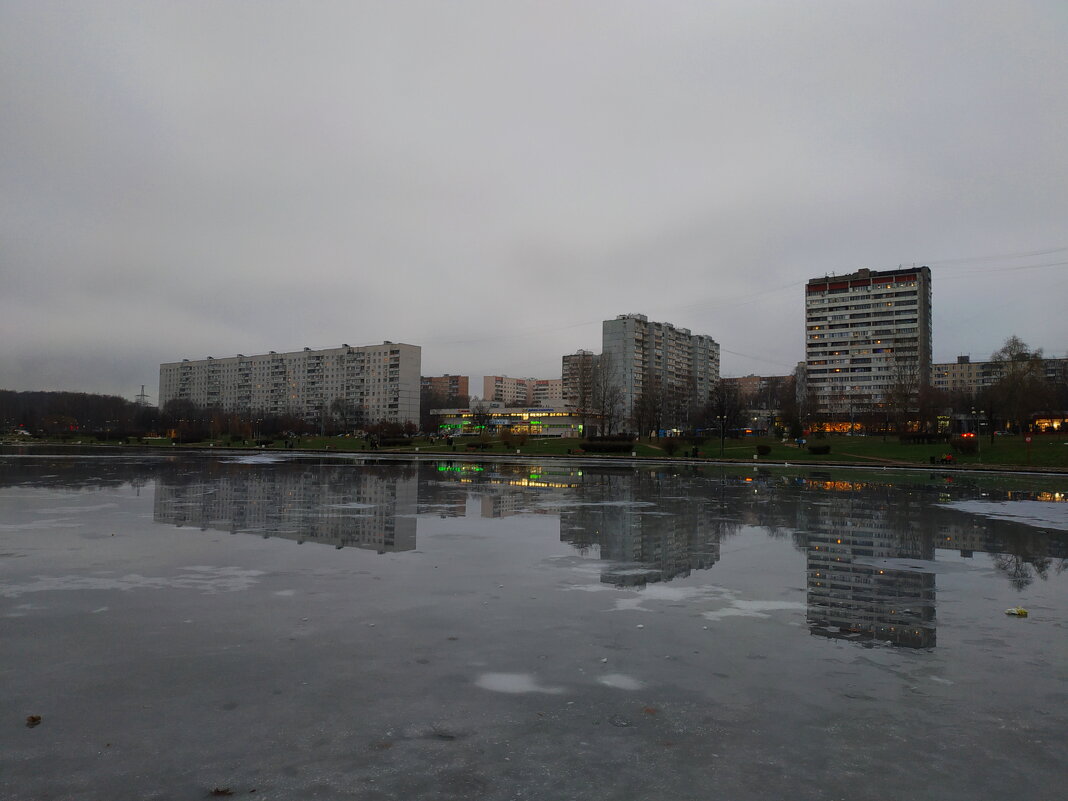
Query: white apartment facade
{"points": [[864, 333], [372, 383], [522, 391], [683, 367]]}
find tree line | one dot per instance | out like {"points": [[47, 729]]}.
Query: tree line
{"points": [[58, 414], [81, 415]]}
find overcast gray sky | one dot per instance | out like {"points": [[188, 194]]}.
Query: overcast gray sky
{"points": [[491, 180]]}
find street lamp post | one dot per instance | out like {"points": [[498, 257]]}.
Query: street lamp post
{"points": [[978, 434], [722, 432]]}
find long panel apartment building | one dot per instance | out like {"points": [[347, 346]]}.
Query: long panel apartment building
{"points": [[367, 384], [681, 367], [865, 332]]}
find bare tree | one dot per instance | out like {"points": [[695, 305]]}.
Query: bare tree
{"points": [[481, 416], [902, 395], [429, 400], [1021, 388], [724, 411], [606, 396], [648, 408]]}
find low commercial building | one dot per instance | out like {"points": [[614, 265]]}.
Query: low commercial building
{"points": [[550, 421]]}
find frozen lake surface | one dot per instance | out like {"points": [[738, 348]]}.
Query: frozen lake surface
{"points": [[299, 627]]}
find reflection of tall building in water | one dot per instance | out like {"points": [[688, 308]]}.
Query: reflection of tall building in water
{"points": [[644, 541], [643, 534], [857, 588], [338, 506]]}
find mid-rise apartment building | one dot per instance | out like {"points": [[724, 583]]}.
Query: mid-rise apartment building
{"points": [[970, 378], [522, 391], [447, 386], [963, 375], [367, 384], [866, 334], [679, 367], [577, 378]]}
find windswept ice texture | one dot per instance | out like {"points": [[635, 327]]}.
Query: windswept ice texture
{"points": [[228, 635], [202, 578]]}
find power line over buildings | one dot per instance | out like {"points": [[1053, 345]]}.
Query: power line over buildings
{"points": [[867, 338], [368, 384]]}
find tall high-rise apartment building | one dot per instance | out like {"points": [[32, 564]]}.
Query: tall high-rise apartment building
{"points": [[867, 337], [368, 384], [676, 367]]}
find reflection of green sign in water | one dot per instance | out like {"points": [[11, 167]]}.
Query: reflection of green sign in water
{"points": [[460, 468]]}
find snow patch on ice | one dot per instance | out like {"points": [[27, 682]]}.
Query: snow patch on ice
{"points": [[256, 459], [619, 681], [751, 609], [514, 683], [1040, 514], [665, 594]]}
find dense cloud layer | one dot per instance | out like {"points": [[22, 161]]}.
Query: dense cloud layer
{"points": [[491, 180]]}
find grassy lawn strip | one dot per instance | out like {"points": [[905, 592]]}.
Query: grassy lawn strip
{"points": [[1045, 450]]}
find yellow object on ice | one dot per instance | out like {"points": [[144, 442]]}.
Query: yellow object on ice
{"points": [[1018, 611]]}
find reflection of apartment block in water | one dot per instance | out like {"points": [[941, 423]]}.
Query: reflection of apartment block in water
{"points": [[350, 508], [642, 544], [501, 504], [852, 591], [986, 535]]}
